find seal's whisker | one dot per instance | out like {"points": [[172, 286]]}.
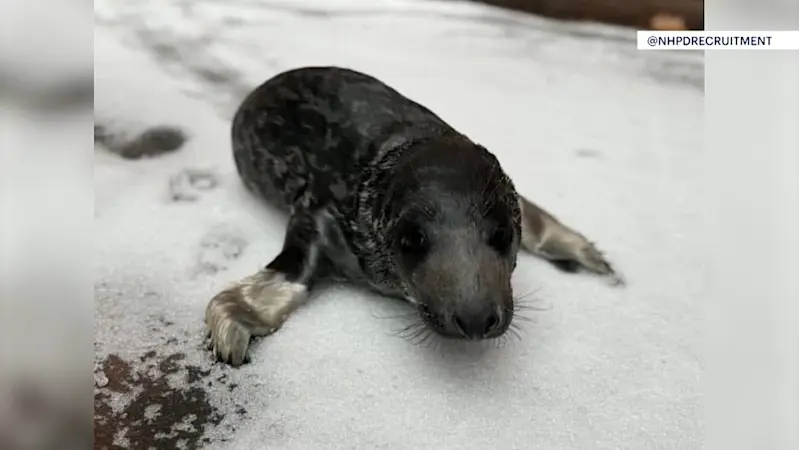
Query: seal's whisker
{"points": [[533, 309], [523, 318], [421, 337], [408, 329], [413, 340], [518, 314], [426, 341], [515, 331], [431, 342], [524, 307], [527, 305], [526, 295], [411, 333], [395, 316], [505, 340]]}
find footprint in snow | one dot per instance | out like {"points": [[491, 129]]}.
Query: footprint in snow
{"points": [[189, 184], [217, 249]]}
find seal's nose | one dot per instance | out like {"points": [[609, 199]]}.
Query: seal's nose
{"points": [[477, 325]]}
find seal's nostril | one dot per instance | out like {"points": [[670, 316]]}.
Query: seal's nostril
{"points": [[460, 326], [492, 322], [477, 325]]}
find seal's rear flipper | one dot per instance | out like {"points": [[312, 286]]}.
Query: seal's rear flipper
{"points": [[545, 236]]}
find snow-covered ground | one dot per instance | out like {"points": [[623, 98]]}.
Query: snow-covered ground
{"points": [[607, 138]]}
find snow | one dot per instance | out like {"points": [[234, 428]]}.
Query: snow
{"points": [[608, 139]]}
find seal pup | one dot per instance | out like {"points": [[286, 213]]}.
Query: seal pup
{"points": [[384, 194]]}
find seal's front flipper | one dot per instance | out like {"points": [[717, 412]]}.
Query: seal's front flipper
{"points": [[259, 304], [545, 236]]}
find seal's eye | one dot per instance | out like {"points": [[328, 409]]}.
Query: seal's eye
{"points": [[501, 239], [413, 240]]}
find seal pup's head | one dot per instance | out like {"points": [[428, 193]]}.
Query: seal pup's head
{"points": [[454, 233]]}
